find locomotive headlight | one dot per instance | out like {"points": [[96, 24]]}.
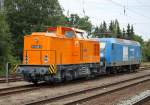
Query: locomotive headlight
{"points": [[46, 59]]}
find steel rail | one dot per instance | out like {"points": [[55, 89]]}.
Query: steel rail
{"points": [[78, 93]]}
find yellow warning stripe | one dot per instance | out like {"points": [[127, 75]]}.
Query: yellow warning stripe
{"points": [[15, 68], [52, 69], [55, 68]]}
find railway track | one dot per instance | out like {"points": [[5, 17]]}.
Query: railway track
{"points": [[82, 95], [12, 78], [24, 88], [30, 88], [65, 97], [3, 80], [18, 89]]}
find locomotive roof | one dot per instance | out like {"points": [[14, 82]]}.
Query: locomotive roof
{"points": [[67, 28], [59, 31], [120, 41]]}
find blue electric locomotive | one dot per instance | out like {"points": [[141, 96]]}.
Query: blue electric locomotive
{"points": [[119, 54]]}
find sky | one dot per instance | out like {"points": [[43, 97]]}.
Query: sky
{"points": [[135, 12]]}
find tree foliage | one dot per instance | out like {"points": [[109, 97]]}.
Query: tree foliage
{"points": [[111, 30], [74, 20], [5, 42], [146, 50], [26, 16], [115, 31]]}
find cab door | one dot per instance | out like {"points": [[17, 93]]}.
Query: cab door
{"points": [[32, 57], [76, 51]]}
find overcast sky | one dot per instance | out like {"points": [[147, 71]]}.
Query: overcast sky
{"points": [[136, 12]]}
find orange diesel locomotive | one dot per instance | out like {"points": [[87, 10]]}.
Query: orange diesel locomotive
{"points": [[61, 53]]}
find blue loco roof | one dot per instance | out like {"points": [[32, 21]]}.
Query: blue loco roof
{"points": [[120, 41]]}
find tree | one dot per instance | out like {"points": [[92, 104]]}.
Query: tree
{"points": [[130, 32], [26, 16], [119, 33], [113, 30], [123, 33], [111, 26], [85, 24], [104, 27], [5, 43], [95, 32], [138, 39], [101, 31], [117, 29], [80, 22], [146, 51]]}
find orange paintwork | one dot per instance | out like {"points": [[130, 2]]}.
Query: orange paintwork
{"points": [[58, 48]]}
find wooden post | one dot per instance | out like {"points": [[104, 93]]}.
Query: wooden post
{"points": [[7, 73]]}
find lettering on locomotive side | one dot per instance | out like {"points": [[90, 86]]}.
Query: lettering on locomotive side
{"points": [[36, 46]]}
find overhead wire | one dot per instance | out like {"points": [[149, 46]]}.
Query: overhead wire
{"points": [[127, 8], [141, 4]]}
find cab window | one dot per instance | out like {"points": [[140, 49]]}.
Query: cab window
{"points": [[79, 35], [69, 34]]}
